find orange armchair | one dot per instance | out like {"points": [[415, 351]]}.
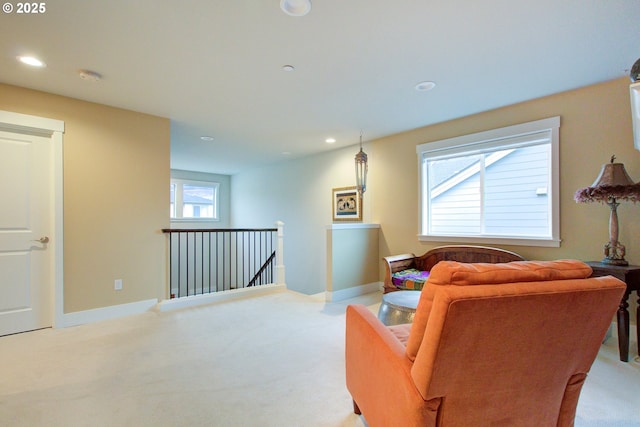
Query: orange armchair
{"points": [[491, 345]]}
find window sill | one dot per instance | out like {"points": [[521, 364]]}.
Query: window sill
{"points": [[515, 241]]}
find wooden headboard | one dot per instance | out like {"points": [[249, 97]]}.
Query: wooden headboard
{"points": [[460, 253]]}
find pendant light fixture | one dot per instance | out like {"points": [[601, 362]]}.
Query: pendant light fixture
{"points": [[634, 75], [361, 169]]}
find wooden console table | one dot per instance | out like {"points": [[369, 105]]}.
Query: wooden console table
{"points": [[630, 274]]}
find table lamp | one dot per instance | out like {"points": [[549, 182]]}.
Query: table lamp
{"points": [[612, 185]]}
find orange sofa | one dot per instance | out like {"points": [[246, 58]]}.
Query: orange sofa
{"points": [[491, 345]]}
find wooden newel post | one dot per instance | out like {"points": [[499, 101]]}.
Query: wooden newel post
{"points": [[280, 278]]}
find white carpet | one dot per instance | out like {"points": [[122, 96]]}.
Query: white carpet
{"points": [[611, 394], [273, 360]]}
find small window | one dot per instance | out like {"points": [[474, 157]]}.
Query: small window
{"points": [[499, 186], [193, 200]]}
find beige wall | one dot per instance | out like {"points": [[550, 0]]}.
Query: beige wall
{"points": [[116, 181], [116, 172], [595, 124]]}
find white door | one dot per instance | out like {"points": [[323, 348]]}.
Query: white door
{"points": [[26, 285]]}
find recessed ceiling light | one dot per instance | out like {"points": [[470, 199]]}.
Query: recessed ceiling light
{"points": [[330, 140], [425, 86], [206, 138], [288, 68], [30, 60], [286, 153], [295, 7]]}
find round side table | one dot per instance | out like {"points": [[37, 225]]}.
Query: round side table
{"points": [[398, 307]]}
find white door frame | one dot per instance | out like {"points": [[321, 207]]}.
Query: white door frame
{"points": [[52, 129]]}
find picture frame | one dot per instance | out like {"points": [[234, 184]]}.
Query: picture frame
{"points": [[347, 204]]}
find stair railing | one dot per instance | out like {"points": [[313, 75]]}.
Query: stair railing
{"points": [[208, 260]]}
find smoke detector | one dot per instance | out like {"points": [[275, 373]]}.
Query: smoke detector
{"points": [[88, 75], [425, 86]]}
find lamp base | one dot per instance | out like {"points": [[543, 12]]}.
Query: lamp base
{"points": [[621, 262], [614, 252]]}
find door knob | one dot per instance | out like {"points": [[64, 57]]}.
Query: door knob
{"points": [[42, 240]]}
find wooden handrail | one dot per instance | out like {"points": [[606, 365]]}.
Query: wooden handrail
{"points": [[213, 230]]}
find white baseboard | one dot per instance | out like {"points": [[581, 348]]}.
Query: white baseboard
{"points": [[195, 300], [122, 310], [106, 313], [353, 292]]}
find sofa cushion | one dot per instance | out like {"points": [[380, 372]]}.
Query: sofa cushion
{"points": [[453, 273]]}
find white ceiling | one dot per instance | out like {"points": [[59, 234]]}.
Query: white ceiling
{"points": [[214, 66]]}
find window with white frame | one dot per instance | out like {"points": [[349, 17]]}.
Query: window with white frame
{"points": [[194, 200], [499, 186]]}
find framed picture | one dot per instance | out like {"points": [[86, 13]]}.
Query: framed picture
{"points": [[347, 204]]}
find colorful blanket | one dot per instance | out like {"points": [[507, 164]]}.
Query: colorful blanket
{"points": [[410, 279]]}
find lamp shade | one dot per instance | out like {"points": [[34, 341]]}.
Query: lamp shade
{"points": [[612, 174]]}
